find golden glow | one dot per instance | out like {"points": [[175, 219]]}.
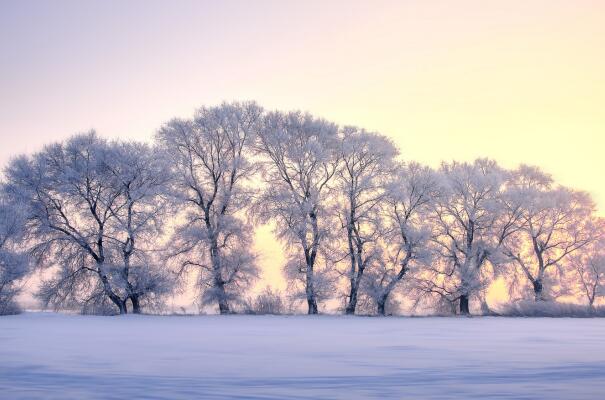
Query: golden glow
{"points": [[517, 81], [520, 83]]}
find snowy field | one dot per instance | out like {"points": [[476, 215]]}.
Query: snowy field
{"points": [[50, 356]]}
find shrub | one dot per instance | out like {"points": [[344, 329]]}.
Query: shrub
{"points": [[530, 308], [269, 301]]}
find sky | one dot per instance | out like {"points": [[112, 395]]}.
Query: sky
{"points": [[516, 81]]}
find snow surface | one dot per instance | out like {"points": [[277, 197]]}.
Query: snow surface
{"points": [[52, 356]]}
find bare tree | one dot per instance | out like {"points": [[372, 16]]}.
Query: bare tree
{"points": [[211, 162], [300, 156], [555, 223], [14, 261], [366, 167], [407, 232]]}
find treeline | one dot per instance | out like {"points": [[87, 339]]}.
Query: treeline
{"points": [[121, 225]]}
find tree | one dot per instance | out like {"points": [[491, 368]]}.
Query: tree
{"points": [[589, 268], [212, 168], [407, 233], [75, 206], [470, 225], [300, 159], [555, 223], [366, 167], [68, 197], [14, 261], [142, 175]]}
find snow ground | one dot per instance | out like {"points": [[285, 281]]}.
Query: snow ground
{"points": [[52, 356]]}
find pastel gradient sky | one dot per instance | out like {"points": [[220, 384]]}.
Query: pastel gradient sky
{"points": [[517, 81]]}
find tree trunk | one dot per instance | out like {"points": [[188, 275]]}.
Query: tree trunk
{"points": [[310, 291], [464, 308], [136, 305], [310, 255], [538, 290], [219, 284], [122, 307], [381, 304], [485, 310], [126, 253], [352, 305], [223, 305], [121, 304], [312, 304], [380, 309]]}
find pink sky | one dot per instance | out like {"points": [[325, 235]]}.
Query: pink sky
{"points": [[517, 81]]}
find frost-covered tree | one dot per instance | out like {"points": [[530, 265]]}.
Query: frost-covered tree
{"points": [[366, 167], [300, 159], [14, 261], [212, 167], [67, 196], [407, 232], [73, 204], [139, 215], [470, 224], [588, 266], [555, 223]]}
